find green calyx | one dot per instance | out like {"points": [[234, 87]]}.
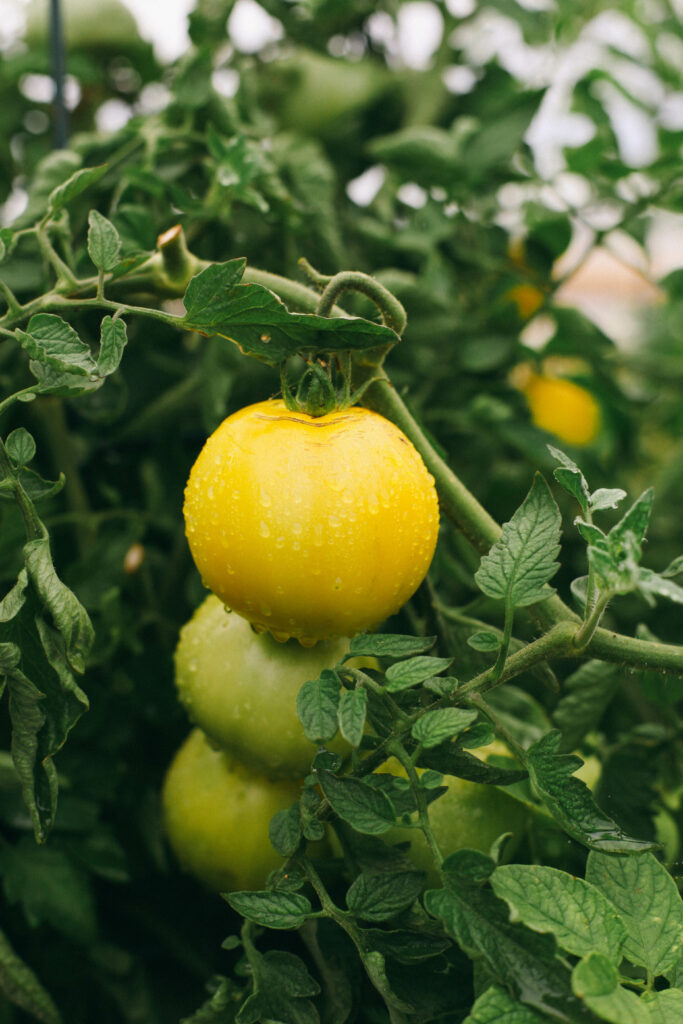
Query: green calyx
{"points": [[323, 388]]}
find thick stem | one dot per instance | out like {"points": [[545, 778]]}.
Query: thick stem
{"points": [[556, 643]]}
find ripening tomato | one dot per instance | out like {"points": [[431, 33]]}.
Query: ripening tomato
{"points": [[311, 526], [563, 408], [241, 687], [217, 814]]}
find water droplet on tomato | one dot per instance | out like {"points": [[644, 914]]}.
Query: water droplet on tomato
{"points": [[264, 529]]}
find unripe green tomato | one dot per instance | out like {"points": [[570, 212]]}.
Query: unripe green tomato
{"points": [[310, 91], [106, 24], [241, 687], [217, 813], [469, 816]]}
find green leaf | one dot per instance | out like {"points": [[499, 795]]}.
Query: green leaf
{"points": [[366, 809], [652, 583], [665, 1007], [496, 1006], [517, 958], [636, 520], [591, 533], [405, 674], [285, 830], [405, 946], [261, 325], [519, 565], [21, 986], [674, 568], [434, 727], [113, 339], [587, 922], [72, 187], [352, 710], [278, 910], [388, 645], [104, 243], [50, 340], [377, 897], [317, 706], [50, 888], [606, 497], [570, 477], [588, 692], [595, 981], [485, 640], [647, 899], [570, 801], [449, 759], [68, 614], [20, 446], [67, 385]]}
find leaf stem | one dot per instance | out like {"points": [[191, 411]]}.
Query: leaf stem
{"points": [[401, 754], [590, 624]]}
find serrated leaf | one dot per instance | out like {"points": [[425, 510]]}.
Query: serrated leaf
{"points": [[591, 534], [570, 477], [285, 830], [20, 446], [518, 566], [665, 1007], [647, 900], [497, 1006], [606, 497], [434, 727], [570, 801], [104, 243], [587, 922], [352, 710], [674, 568], [113, 339], [317, 705], [388, 645], [261, 325], [21, 986], [73, 186], [485, 640], [596, 982], [56, 382], [652, 583], [50, 340], [67, 612], [377, 897], [278, 910], [404, 674], [636, 520], [588, 692], [366, 809]]}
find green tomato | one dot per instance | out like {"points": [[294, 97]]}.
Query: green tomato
{"points": [[108, 25], [241, 687], [217, 813]]}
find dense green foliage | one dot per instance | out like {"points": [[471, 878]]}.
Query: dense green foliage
{"points": [[149, 287]]}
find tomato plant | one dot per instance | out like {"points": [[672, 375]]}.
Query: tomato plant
{"points": [[311, 526], [348, 294]]}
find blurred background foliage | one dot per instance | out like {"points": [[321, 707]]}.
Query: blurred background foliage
{"points": [[513, 173]]}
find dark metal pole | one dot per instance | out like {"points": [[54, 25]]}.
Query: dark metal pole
{"points": [[58, 63]]}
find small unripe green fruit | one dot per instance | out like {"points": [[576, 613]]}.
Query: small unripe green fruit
{"points": [[217, 814], [241, 688]]}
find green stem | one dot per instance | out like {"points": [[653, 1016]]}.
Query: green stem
{"points": [[63, 272], [401, 754], [32, 524], [13, 304], [590, 623], [393, 313], [497, 669]]}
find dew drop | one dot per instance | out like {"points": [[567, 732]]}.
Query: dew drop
{"points": [[264, 529]]}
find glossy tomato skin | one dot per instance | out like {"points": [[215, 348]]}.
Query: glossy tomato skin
{"points": [[311, 526], [241, 687], [216, 814]]}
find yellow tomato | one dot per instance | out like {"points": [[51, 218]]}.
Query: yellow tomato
{"points": [[563, 408], [311, 526], [217, 814], [241, 688], [527, 298]]}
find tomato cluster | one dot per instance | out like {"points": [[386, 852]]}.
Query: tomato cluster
{"points": [[307, 530]]}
